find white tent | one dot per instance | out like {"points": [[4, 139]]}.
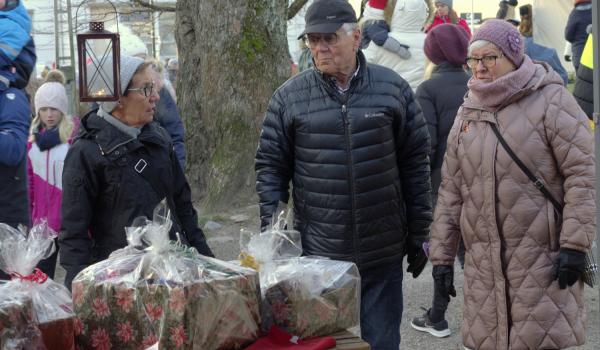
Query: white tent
{"points": [[549, 19], [549, 22]]}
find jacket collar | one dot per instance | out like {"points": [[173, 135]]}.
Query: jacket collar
{"points": [[109, 138], [447, 67], [331, 90]]}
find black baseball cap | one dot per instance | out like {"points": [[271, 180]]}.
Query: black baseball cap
{"points": [[327, 16]]}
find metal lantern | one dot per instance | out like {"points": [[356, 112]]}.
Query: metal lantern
{"points": [[98, 53]]}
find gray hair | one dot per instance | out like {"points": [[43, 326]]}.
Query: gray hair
{"points": [[349, 28], [477, 44]]}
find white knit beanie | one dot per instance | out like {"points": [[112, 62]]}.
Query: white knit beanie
{"points": [[127, 70], [53, 95]]}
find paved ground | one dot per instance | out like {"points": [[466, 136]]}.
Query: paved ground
{"points": [[417, 293]]}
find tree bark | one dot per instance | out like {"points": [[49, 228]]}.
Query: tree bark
{"points": [[295, 7], [232, 56]]}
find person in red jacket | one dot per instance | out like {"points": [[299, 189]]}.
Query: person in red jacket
{"points": [[444, 13]]}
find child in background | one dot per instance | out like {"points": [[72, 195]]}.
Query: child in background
{"points": [[376, 29], [48, 144]]}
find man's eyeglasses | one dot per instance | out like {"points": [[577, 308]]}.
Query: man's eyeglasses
{"points": [[312, 40], [147, 90], [487, 61]]}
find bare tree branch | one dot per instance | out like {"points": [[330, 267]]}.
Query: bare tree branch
{"points": [[293, 9], [146, 4]]}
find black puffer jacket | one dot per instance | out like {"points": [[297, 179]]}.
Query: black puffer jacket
{"points": [[584, 89], [358, 164], [440, 97], [103, 192]]}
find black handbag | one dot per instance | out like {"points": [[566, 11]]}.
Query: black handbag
{"points": [[591, 268]]}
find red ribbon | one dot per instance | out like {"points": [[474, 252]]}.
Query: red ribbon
{"points": [[37, 276]]}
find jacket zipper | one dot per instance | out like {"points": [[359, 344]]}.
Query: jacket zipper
{"points": [[351, 178], [47, 184]]}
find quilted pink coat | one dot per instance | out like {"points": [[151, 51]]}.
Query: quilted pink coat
{"points": [[511, 233]]}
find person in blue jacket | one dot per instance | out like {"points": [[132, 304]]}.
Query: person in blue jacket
{"points": [[575, 31], [14, 129], [534, 50], [15, 26]]}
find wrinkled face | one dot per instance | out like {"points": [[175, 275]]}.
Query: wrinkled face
{"points": [[136, 108], [49, 116], [442, 9], [490, 72], [338, 58]]}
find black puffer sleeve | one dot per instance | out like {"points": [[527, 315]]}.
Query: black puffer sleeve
{"points": [[274, 159], [413, 146]]}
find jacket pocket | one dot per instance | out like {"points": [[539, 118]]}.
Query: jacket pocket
{"points": [[554, 224]]}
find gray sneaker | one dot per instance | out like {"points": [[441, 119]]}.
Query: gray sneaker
{"points": [[424, 324]]}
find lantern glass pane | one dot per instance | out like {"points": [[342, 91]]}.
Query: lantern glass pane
{"points": [[99, 66]]}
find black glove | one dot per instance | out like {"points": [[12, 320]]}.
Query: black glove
{"points": [[417, 259], [443, 279], [568, 58], [571, 264]]}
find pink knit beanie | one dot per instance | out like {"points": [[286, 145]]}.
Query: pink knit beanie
{"points": [[505, 36]]}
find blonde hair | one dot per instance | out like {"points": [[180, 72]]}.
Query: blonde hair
{"points": [[65, 126], [388, 12], [429, 68], [451, 14]]}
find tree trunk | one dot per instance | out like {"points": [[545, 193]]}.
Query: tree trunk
{"points": [[233, 55]]}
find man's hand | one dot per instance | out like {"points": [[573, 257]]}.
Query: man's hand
{"points": [[571, 264], [417, 258], [443, 280]]}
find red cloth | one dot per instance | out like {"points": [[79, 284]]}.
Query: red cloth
{"points": [[278, 339], [378, 4], [439, 20]]}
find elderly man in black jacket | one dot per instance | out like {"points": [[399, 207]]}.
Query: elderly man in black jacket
{"points": [[352, 139]]}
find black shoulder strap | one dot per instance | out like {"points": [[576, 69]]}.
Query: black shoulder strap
{"points": [[145, 170], [537, 182]]}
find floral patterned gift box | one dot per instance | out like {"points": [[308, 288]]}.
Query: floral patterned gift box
{"points": [[165, 295], [306, 296], [311, 297], [18, 329], [20, 253]]}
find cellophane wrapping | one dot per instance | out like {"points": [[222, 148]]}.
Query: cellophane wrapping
{"points": [[20, 252], [160, 294], [18, 329], [306, 296]]}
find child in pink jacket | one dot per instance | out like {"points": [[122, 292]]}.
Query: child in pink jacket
{"points": [[48, 144]]}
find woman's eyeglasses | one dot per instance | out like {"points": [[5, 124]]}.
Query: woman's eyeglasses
{"points": [[146, 90], [487, 61], [312, 40]]}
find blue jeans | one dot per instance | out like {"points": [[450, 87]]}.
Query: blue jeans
{"points": [[381, 306]]}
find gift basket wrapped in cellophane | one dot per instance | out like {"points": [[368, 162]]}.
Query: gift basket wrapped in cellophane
{"points": [[20, 252], [158, 293], [18, 329], [306, 296]]}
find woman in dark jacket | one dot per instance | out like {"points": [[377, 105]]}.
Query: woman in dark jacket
{"points": [[575, 31], [440, 97], [120, 167], [443, 93]]}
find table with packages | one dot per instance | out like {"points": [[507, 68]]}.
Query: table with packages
{"points": [[348, 341]]}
